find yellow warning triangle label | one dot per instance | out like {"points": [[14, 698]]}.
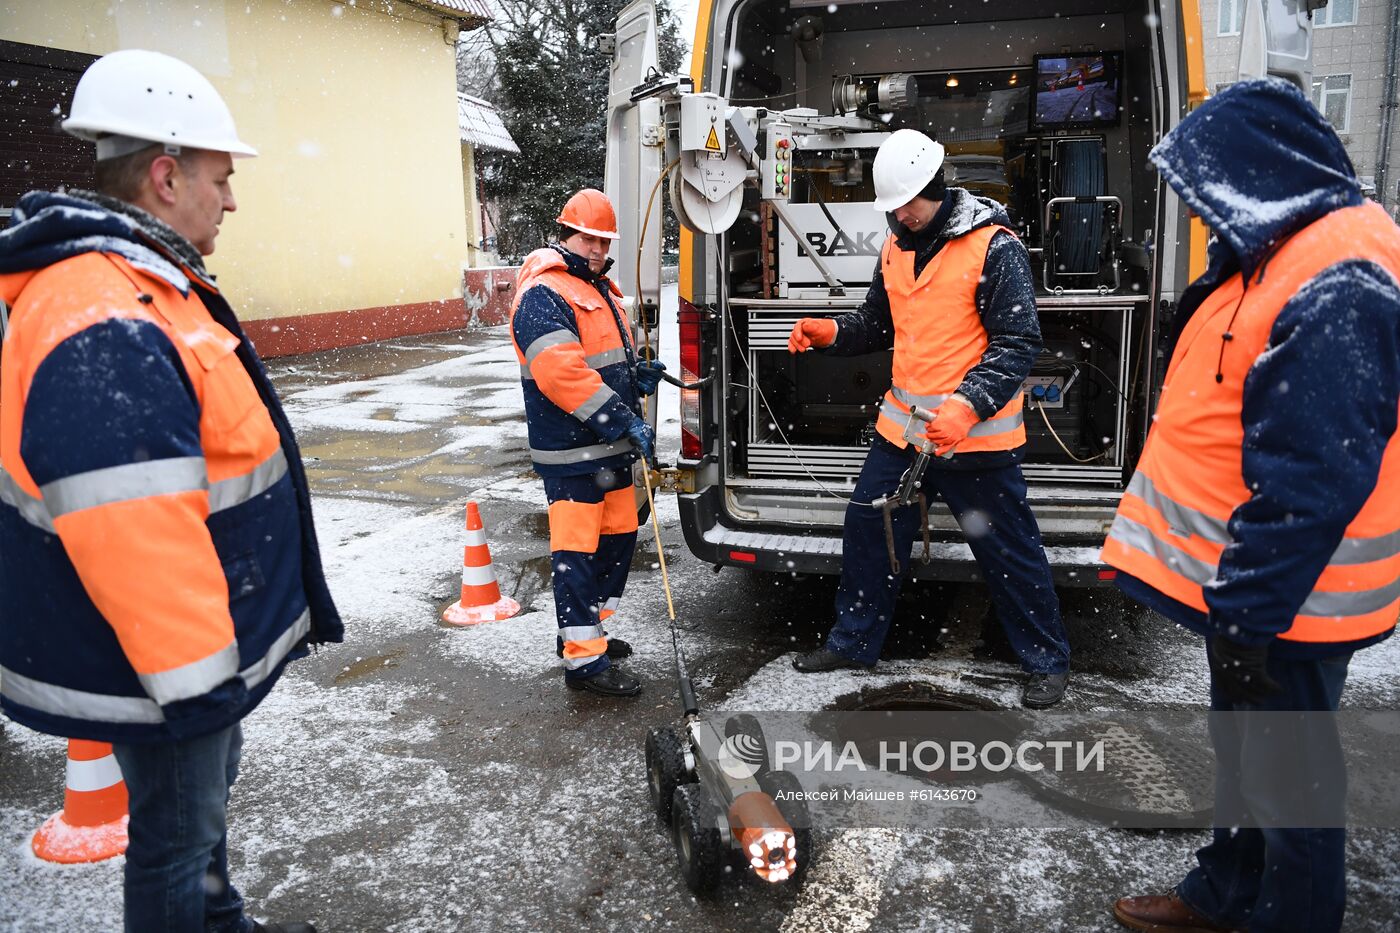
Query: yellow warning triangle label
{"points": [[712, 143]]}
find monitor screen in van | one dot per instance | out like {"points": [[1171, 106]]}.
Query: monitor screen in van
{"points": [[1077, 90]]}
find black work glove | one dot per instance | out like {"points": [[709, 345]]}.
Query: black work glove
{"points": [[649, 376], [1240, 670], [644, 439]]}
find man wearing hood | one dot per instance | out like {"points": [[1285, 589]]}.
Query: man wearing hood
{"points": [[1264, 513], [160, 561], [952, 294], [583, 392]]}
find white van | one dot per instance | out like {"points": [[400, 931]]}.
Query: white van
{"points": [[1049, 108]]}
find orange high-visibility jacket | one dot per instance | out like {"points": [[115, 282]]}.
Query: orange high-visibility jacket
{"points": [[939, 336], [155, 577], [576, 365], [1174, 523]]}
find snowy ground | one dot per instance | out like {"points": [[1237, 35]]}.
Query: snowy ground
{"points": [[423, 778]]}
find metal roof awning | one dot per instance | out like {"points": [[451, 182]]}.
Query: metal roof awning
{"points": [[469, 13], [481, 125]]}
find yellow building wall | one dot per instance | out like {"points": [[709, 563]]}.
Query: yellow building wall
{"points": [[356, 199]]}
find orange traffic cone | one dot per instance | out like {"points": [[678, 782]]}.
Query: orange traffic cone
{"points": [[92, 824], [481, 596]]}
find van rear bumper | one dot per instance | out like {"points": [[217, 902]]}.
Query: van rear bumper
{"points": [[715, 539]]}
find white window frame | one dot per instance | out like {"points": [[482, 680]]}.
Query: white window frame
{"points": [[1237, 17], [1326, 12], [1321, 92]]}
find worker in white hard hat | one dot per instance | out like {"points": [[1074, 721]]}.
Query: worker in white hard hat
{"points": [[161, 565], [952, 295]]}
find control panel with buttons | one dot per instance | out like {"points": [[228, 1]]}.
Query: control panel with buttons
{"points": [[777, 163]]}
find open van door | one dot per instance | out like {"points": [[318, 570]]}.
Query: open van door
{"points": [[635, 152], [1276, 39], [636, 148]]}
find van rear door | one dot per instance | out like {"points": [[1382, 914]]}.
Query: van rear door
{"points": [[634, 163]]}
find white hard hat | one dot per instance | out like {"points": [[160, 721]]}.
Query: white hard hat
{"points": [[905, 164], [140, 95]]}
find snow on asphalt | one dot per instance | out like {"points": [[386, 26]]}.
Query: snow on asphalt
{"points": [[392, 566], [386, 562]]}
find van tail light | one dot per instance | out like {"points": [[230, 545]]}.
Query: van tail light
{"points": [[688, 320]]}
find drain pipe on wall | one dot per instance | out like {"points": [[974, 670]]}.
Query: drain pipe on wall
{"points": [[1392, 54]]}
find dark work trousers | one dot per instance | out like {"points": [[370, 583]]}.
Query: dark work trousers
{"points": [[592, 534], [990, 507], [1274, 879]]}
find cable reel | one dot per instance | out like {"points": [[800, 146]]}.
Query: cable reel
{"points": [[707, 193]]}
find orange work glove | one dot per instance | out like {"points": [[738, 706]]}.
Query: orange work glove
{"points": [[811, 332], [951, 422]]}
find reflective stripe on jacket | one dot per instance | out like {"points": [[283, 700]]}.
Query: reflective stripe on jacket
{"points": [[1174, 522], [939, 337], [156, 573], [576, 366]]}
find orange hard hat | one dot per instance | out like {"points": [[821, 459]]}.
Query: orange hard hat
{"points": [[590, 211]]}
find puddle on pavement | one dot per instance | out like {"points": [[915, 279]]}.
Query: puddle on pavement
{"points": [[368, 461], [360, 446], [365, 666], [644, 558], [430, 480], [536, 525], [532, 579]]}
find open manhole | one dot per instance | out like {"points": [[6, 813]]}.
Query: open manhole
{"points": [[913, 697], [905, 707]]}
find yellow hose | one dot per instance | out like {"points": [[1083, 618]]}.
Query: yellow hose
{"points": [[646, 342]]}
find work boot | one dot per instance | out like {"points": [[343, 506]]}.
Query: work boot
{"points": [[294, 927], [1163, 913], [822, 660], [1044, 690], [610, 682]]}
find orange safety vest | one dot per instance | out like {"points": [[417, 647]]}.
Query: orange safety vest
{"points": [[568, 378], [938, 337], [598, 330], [1172, 524]]}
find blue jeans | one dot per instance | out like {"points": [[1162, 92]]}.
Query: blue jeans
{"points": [[990, 506], [1273, 879], [177, 859]]}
